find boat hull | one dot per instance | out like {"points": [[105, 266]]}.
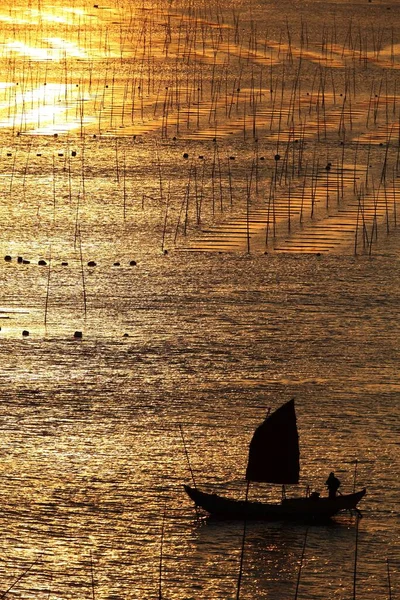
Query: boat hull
{"points": [[289, 509]]}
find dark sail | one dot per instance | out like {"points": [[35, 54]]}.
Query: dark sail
{"points": [[274, 455]]}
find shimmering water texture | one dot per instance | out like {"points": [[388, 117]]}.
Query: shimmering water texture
{"points": [[199, 207]]}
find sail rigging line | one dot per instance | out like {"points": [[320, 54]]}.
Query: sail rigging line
{"points": [[355, 474], [189, 465], [187, 456]]}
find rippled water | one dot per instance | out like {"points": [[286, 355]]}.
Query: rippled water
{"points": [[201, 343], [92, 452]]}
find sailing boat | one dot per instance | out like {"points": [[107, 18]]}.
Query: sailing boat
{"points": [[274, 457]]}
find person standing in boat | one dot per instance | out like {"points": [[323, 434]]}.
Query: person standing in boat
{"points": [[333, 484]]}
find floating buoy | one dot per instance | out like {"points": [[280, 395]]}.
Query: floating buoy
{"points": [[42, 263], [91, 263], [78, 334], [133, 263], [73, 153], [185, 155], [277, 156], [25, 333], [7, 258]]}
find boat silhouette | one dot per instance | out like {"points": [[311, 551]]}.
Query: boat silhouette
{"points": [[274, 457]]}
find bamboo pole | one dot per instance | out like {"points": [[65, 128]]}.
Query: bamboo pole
{"points": [[240, 576], [160, 570], [4, 594], [388, 579], [355, 559], [47, 290], [301, 564], [92, 576]]}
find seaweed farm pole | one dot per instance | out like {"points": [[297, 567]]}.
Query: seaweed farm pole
{"points": [[301, 564], [230, 183], [82, 271], [54, 191], [394, 198], [161, 552], [248, 185], [243, 543], [388, 578], [165, 219], [355, 559], [270, 200], [47, 290], [92, 576], [356, 231], [4, 594]]}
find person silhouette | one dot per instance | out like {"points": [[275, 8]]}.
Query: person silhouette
{"points": [[333, 484]]}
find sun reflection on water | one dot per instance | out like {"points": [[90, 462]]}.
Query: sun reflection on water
{"points": [[130, 130]]}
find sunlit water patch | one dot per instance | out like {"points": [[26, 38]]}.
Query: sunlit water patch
{"points": [[156, 127]]}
